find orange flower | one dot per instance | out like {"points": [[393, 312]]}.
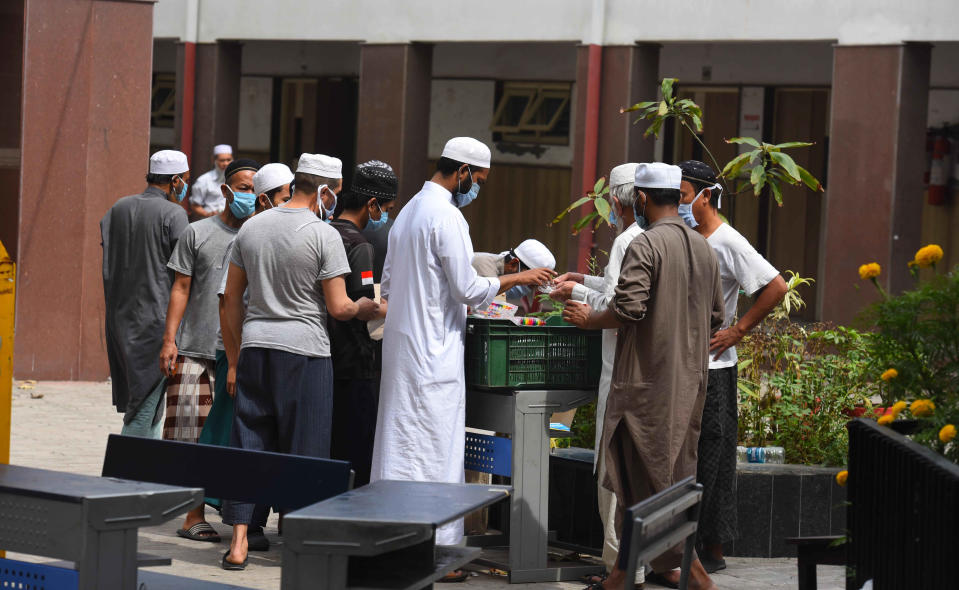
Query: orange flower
{"points": [[922, 407], [869, 271], [928, 255], [947, 433], [841, 477], [889, 375]]}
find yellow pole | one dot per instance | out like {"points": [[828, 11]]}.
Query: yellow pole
{"points": [[8, 283]]}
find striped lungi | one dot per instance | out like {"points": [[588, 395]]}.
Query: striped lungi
{"points": [[189, 396]]}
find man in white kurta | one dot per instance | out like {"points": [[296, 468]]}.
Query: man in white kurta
{"points": [[428, 280], [597, 292]]}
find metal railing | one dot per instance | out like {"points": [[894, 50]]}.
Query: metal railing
{"points": [[903, 513]]}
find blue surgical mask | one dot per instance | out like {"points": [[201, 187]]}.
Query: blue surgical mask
{"points": [[641, 220], [613, 220], [180, 195], [243, 204], [329, 212], [375, 224], [518, 292], [464, 199], [686, 211]]}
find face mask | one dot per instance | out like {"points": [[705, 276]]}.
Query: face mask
{"points": [[686, 211], [464, 199], [180, 195], [242, 204], [641, 220], [375, 224], [613, 219], [328, 212]]}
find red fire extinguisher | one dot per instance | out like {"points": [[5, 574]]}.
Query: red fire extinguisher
{"points": [[939, 170]]}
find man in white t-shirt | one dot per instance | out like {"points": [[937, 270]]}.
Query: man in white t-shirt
{"points": [[206, 199], [740, 267]]}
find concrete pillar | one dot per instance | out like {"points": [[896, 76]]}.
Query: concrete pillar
{"points": [[874, 194], [394, 110], [85, 143], [216, 108], [630, 74]]}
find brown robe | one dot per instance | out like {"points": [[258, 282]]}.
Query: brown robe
{"points": [[669, 300]]}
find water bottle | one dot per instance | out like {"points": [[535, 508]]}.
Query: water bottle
{"points": [[756, 454], [775, 455], [741, 455]]}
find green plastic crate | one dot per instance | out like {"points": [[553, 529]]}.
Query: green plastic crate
{"points": [[500, 354]]}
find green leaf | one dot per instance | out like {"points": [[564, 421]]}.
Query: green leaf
{"points": [[757, 178], [578, 203], [777, 192], [787, 163], [654, 128], [745, 140], [735, 165], [637, 107], [663, 108], [599, 184], [793, 144], [811, 181], [697, 122], [602, 207], [584, 221], [667, 87]]}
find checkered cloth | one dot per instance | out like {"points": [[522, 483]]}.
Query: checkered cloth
{"points": [[189, 396], [716, 467]]}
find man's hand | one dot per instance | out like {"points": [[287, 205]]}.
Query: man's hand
{"points": [[231, 381], [168, 356], [569, 276], [536, 277], [368, 309], [577, 313], [725, 339], [562, 291]]}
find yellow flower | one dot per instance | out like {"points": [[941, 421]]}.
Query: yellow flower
{"points": [[841, 477], [869, 271], [898, 407], [885, 419], [928, 255], [922, 407], [947, 433], [889, 375]]}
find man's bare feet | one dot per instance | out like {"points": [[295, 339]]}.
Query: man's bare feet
{"points": [[239, 547]]}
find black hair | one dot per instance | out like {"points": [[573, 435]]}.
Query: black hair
{"points": [[354, 201], [271, 194], [160, 178], [310, 183], [662, 196], [447, 166]]}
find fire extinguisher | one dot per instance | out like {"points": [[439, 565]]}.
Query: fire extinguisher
{"points": [[939, 170]]}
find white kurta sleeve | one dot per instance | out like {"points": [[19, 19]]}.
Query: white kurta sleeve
{"points": [[598, 291], [452, 244]]}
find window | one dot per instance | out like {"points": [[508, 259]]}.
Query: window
{"points": [[163, 101], [532, 112]]}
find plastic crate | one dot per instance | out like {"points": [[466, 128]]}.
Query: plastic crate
{"points": [[489, 454], [500, 354], [36, 576]]}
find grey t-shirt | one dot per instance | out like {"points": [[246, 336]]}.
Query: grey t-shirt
{"points": [[199, 254], [286, 253]]}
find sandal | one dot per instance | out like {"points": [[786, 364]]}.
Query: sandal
{"points": [[659, 579], [233, 567], [594, 579], [454, 577], [201, 531]]}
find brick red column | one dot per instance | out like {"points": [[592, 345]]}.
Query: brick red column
{"points": [[874, 191]]}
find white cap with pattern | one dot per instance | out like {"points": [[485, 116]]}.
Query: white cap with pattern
{"points": [[623, 174], [222, 149], [468, 151], [168, 162], [271, 176], [320, 165], [658, 175]]}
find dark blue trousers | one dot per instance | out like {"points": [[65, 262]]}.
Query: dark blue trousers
{"points": [[284, 404]]}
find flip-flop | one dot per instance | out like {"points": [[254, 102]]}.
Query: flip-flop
{"points": [[257, 540], [660, 579], [454, 577], [194, 533], [593, 579], [233, 567], [712, 565]]}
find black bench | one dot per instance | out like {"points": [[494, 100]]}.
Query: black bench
{"points": [[286, 482], [89, 521], [380, 536], [658, 523], [813, 551]]}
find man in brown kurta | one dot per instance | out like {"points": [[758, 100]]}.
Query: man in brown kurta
{"points": [[667, 305]]}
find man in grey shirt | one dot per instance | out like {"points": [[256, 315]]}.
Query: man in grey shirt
{"points": [[293, 265], [189, 341], [138, 235]]}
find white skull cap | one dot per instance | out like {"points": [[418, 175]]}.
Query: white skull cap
{"points": [[623, 174], [534, 254], [468, 151], [658, 175], [222, 149], [168, 162], [271, 176], [320, 165]]}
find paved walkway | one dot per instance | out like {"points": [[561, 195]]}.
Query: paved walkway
{"points": [[64, 426]]}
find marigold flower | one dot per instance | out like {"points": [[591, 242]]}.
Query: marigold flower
{"points": [[869, 271], [898, 407], [947, 433], [885, 419], [928, 255], [889, 375], [841, 477], [922, 407]]}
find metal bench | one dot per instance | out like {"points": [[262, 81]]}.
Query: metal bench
{"points": [[379, 536], [286, 482], [658, 523], [814, 551], [90, 521]]}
